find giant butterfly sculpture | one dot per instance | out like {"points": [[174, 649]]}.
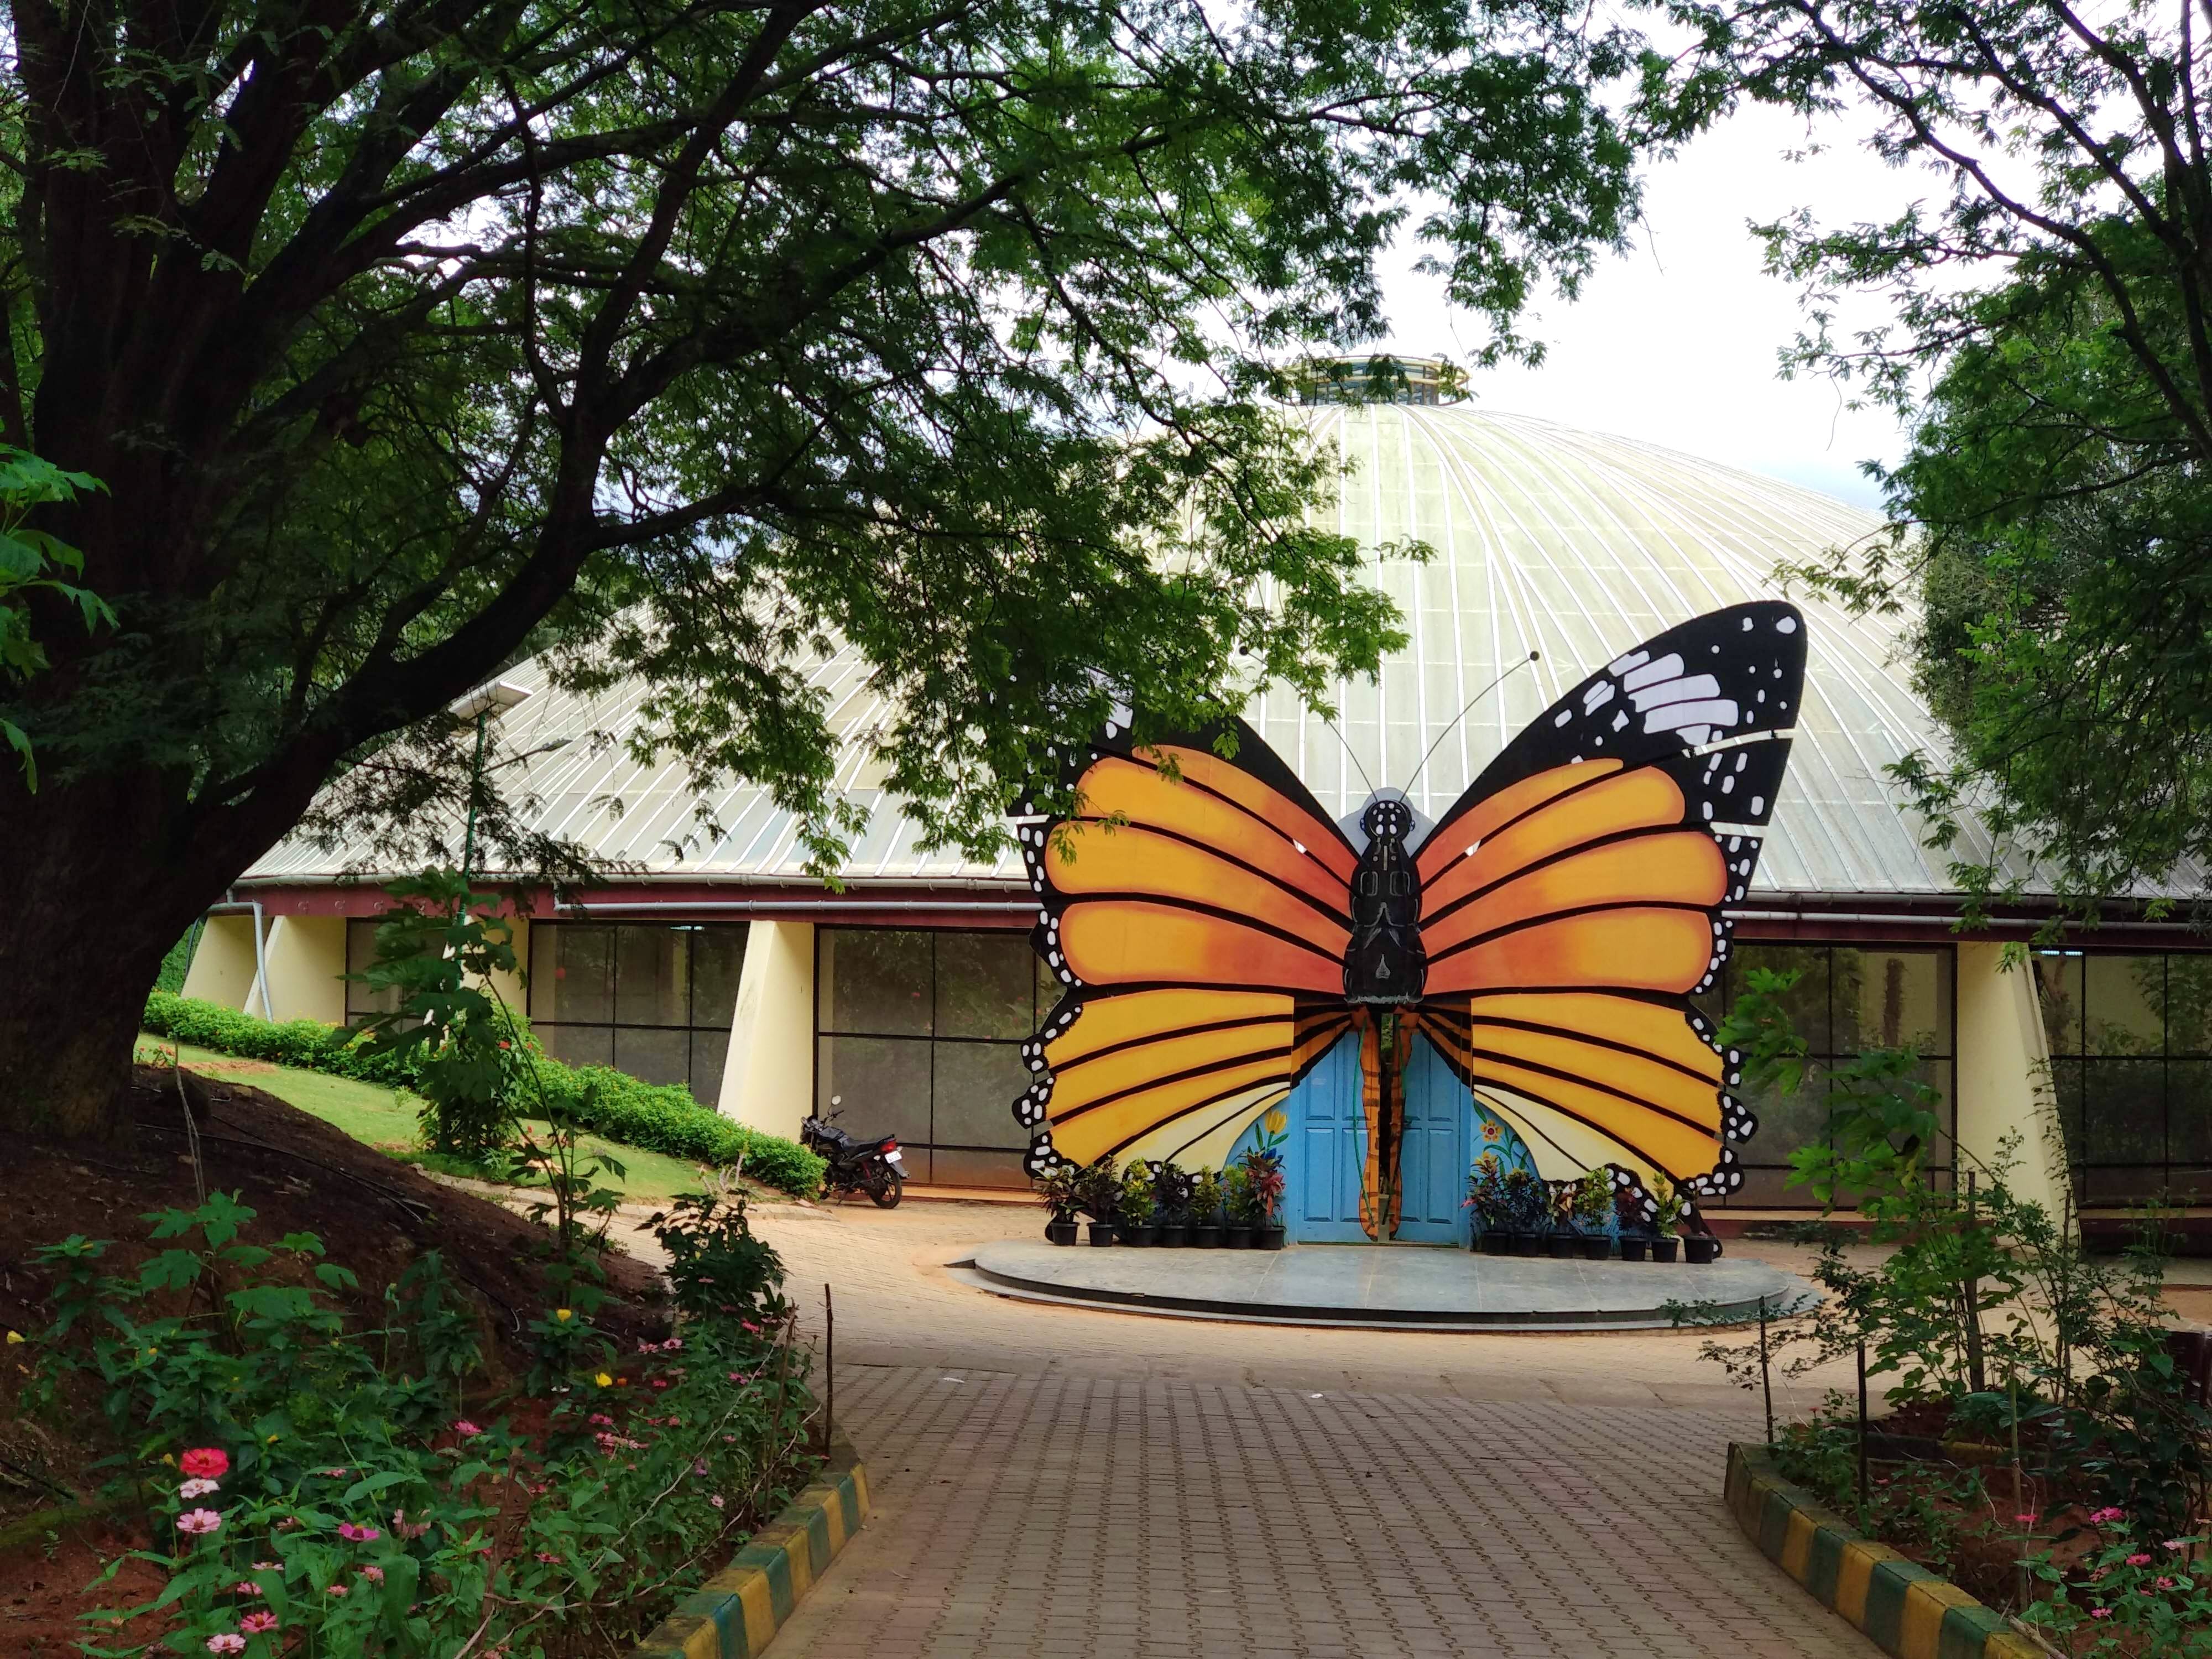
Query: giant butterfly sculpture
{"points": [[1218, 934]]}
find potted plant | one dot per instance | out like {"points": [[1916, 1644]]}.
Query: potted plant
{"points": [[1493, 1213], [1097, 1195], [1560, 1239], [1172, 1201], [1056, 1191], [1133, 1222], [1263, 1172], [1205, 1210], [1526, 1210], [1593, 1206], [1240, 1207], [1628, 1217], [1699, 1250], [1663, 1219]]}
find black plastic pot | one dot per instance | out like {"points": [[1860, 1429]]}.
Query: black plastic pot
{"points": [[1236, 1237], [1269, 1238], [1060, 1232], [1147, 1233], [1663, 1250], [1495, 1242], [1204, 1238], [1596, 1246], [1635, 1250], [1528, 1243], [1175, 1237], [1102, 1232], [1560, 1246], [1699, 1249]]}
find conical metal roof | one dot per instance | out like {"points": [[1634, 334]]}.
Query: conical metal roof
{"points": [[1572, 544]]}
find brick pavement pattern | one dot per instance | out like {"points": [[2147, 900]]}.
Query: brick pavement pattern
{"points": [[1075, 1483]]}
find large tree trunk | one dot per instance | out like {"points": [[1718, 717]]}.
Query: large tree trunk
{"points": [[92, 896]]}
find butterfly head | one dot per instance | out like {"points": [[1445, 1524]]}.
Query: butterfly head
{"points": [[1387, 821]]}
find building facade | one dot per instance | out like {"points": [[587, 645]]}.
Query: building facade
{"points": [[716, 961]]}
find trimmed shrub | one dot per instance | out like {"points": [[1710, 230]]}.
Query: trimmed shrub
{"points": [[611, 1104]]}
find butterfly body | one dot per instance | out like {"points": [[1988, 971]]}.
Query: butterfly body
{"points": [[1385, 966], [1219, 935]]}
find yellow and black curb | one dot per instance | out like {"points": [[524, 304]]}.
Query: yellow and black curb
{"points": [[1903, 1608], [734, 1613]]}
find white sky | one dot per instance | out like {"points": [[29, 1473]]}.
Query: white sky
{"points": [[1675, 342]]}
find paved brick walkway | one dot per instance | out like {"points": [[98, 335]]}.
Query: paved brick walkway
{"points": [[1071, 1483]]}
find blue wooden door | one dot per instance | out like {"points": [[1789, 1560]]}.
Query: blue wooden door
{"points": [[1432, 1163], [1327, 1150]]}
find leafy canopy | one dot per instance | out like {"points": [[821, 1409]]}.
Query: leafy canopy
{"points": [[687, 337], [2052, 353]]}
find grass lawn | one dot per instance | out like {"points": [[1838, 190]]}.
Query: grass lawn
{"points": [[387, 1120]]}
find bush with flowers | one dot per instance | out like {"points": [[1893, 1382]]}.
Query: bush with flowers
{"points": [[2131, 1593], [318, 1494]]}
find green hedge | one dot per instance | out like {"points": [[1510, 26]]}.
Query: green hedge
{"points": [[611, 1104]]}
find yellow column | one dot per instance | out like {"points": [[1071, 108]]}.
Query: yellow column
{"points": [[223, 968], [2003, 1085], [307, 963], [768, 1081]]}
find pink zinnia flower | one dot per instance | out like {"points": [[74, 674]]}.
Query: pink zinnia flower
{"points": [[198, 1488], [466, 1430], [2025, 1520], [198, 1521], [2103, 1515], [269, 1566], [672, 1344], [353, 1534], [2138, 1560], [2100, 1613], [245, 1587], [2176, 1545], [716, 1500], [254, 1623], [336, 1590], [549, 1557], [698, 1466], [659, 1382], [334, 1474], [227, 1642], [207, 1462], [374, 1574], [600, 1420], [2163, 1583]]}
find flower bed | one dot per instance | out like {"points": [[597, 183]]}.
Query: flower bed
{"points": [[326, 1490]]}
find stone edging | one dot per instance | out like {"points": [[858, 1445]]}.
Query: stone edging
{"points": [[735, 1613], [1903, 1608]]}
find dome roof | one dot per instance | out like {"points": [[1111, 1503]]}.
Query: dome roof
{"points": [[1570, 544]]}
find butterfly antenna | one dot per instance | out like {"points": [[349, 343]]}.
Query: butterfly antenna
{"points": [[1453, 723], [1354, 755]]}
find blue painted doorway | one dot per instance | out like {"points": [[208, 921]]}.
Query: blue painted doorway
{"points": [[1432, 1162], [1327, 1150]]}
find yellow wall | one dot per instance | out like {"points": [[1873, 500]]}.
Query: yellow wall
{"points": [[767, 1082], [306, 956], [223, 968], [2004, 1075]]}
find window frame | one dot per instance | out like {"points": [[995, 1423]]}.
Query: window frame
{"points": [[693, 1026]]}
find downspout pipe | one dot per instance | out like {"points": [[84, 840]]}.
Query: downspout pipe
{"points": [[236, 907]]}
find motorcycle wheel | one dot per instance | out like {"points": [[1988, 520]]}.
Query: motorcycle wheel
{"points": [[885, 1186]]}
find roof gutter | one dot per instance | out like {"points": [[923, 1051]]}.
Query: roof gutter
{"points": [[1891, 919], [757, 907]]}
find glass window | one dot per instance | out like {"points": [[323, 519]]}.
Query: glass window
{"points": [[1807, 1001], [1892, 999], [2120, 1006], [652, 998], [873, 980], [362, 1003], [986, 986], [2058, 984], [921, 1033]]}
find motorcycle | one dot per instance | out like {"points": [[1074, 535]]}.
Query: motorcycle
{"points": [[874, 1167]]}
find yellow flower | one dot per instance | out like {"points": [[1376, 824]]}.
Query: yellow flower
{"points": [[562, 1315], [603, 1380], [14, 1336], [170, 1458], [1276, 1122], [270, 1441]]}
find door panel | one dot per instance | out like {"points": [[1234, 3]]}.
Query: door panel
{"points": [[1328, 1149], [1432, 1164]]}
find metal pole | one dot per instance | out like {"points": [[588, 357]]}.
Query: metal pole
{"points": [[1976, 1377], [1765, 1377], [475, 782], [1862, 1432], [829, 1368]]}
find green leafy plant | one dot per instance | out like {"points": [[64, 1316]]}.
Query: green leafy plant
{"points": [[1172, 1190], [1668, 1206], [1238, 1200], [1138, 1203], [716, 1267], [1486, 1195], [1057, 1189], [1099, 1190], [2135, 1593], [1262, 1168], [315, 1488], [1205, 1197], [1527, 1200], [1593, 1201], [32, 562]]}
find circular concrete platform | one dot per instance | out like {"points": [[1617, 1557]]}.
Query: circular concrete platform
{"points": [[1392, 1286]]}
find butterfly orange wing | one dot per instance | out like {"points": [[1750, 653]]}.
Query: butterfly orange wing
{"points": [[1197, 908], [1573, 900]]}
